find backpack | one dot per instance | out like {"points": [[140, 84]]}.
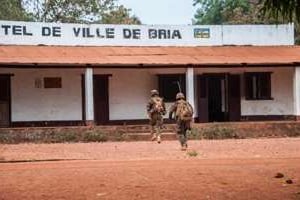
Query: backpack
{"points": [[184, 111], [158, 105]]}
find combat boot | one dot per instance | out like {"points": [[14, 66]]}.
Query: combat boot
{"points": [[184, 147], [158, 139], [153, 138]]}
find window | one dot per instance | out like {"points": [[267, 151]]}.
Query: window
{"points": [[52, 82], [170, 85], [258, 86]]}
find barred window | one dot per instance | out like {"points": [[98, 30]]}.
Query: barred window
{"points": [[258, 86], [170, 85]]}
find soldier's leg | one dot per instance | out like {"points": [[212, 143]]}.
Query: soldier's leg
{"points": [[180, 132], [187, 130], [152, 124], [153, 133], [184, 140], [159, 127]]}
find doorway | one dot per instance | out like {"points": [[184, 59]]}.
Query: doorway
{"points": [[101, 99], [5, 101], [219, 98], [216, 98]]}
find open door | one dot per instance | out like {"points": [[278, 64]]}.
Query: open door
{"points": [[5, 101], [219, 97], [202, 81], [217, 105], [234, 97], [101, 103]]}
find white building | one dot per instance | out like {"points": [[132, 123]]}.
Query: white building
{"points": [[74, 74]]}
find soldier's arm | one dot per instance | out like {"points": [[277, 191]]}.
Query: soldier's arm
{"points": [[191, 107], [149, 105]]}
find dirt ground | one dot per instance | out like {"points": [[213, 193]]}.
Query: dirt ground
{"points": [[218, 169]]}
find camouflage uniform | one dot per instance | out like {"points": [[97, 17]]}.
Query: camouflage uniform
{"points": [[156, 118], [181, 126]]}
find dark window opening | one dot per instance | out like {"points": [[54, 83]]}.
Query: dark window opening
{"points": [[258, 86], [170, 85], [52, 82], [203, 86]]}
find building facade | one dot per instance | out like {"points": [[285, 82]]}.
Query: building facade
{"points": [[72, 74]]}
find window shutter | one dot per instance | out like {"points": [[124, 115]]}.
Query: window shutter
{"points": [[248, 86], [203, 86], [168, 85], [265, 85], [160, 84]]}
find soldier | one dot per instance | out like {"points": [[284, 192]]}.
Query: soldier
{"points": [[183, 116], [156, 109]]}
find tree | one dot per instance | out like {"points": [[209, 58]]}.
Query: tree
{"points": [[67, 11], [285, 9], [80, 11], [228, 12], [13, 10], [119, 15]]}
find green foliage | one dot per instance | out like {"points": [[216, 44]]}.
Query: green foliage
{"points": [[213, 132], [82, 11], [119, 136], [230, 12], [53, 137], [226, 12], [67, 11], [94, 136], [192, 153], [119, 15], [285, 9], [71, 11], [13, 10]]}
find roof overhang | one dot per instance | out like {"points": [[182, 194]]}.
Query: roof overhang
{"points": [[148, 57]]}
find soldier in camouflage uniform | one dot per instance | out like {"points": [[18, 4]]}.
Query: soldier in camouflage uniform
{"points": [[155, 113], [183, 125]]}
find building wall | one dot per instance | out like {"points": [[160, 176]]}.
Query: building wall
{"points": [[257, 35], [39, 104], [129, 91]]}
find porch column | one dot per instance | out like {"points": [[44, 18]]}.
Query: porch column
{"points": [[296, 88], [190, 91], [89, 96]]}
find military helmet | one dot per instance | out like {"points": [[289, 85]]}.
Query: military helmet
{"points": [[154, 92], [180, 96]]}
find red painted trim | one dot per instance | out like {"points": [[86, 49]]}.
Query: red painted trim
{"points": [[269, 118], [144, 121], [47, 123]]}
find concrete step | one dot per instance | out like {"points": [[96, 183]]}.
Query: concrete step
{"points": [[144, 128], [147, 136]]}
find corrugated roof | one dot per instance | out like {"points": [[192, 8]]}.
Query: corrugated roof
{"points": [[144, 56]]}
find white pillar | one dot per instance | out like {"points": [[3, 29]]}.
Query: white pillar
{"points": [[89, 95], [190, 91], [296, 90]]}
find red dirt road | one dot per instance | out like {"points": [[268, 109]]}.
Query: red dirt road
{"points": [[227, 169]]}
